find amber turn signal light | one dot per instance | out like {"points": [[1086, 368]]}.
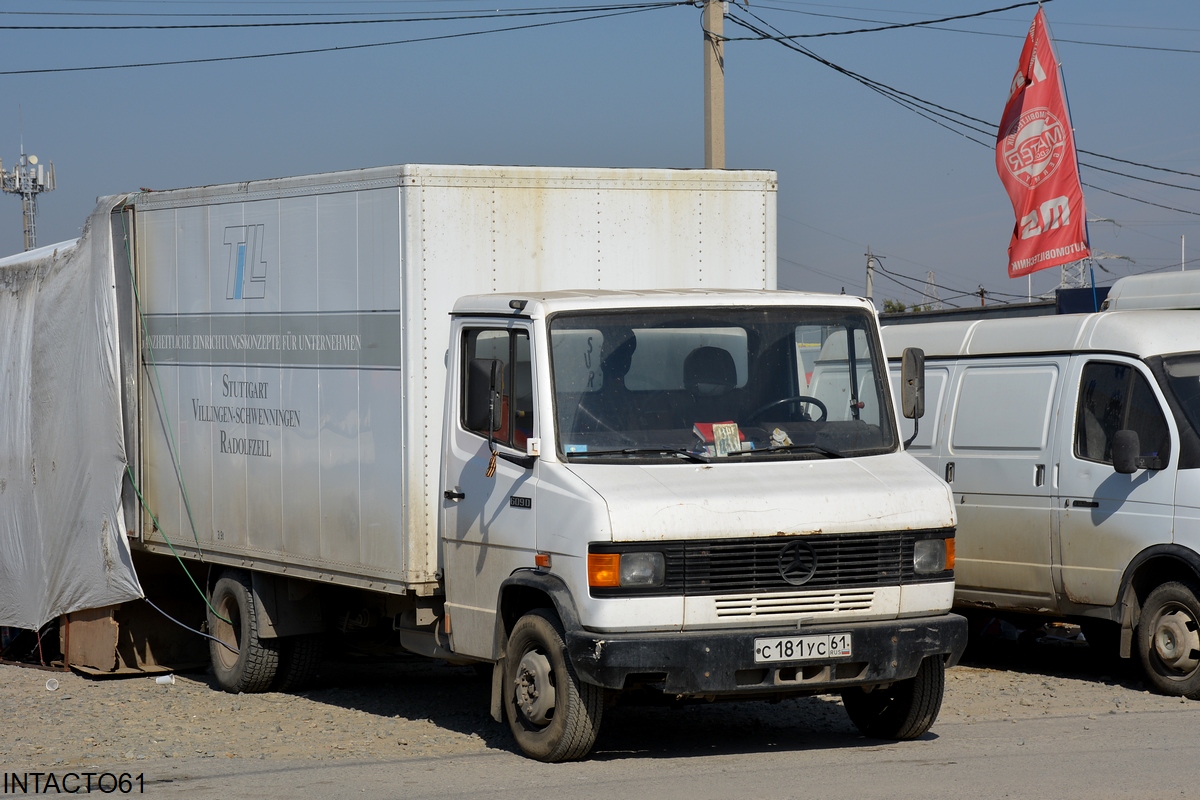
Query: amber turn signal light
{"points": [[950, 553], [604, 569]]}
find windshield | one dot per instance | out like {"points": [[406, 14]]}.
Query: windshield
{"points": [[1183, 379], [719, 383]]}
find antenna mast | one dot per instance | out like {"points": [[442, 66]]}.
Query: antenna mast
{"points": [[28, 179]]}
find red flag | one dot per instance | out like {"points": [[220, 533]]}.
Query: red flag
{"points": [[1035, 156]]}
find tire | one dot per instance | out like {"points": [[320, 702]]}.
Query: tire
{"points": [[299, 659], [254, 666], [904, 710], [1168, 639], [552, 714]]}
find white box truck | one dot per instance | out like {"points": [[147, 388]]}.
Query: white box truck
{"points": [[455, 409], [1072, 446]]}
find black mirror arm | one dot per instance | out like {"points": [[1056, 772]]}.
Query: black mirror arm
{"points": [[491, 468], [911, 439]]}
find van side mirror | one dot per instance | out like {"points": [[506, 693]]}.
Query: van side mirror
{"points": [[1126, 452], [481, 413], [912, 383]]}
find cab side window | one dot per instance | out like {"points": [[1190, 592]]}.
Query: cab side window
{"points": [[514, 382], [1115, 397]]}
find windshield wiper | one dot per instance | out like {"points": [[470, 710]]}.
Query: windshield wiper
{"points": [[645, 451], [807, 447]]}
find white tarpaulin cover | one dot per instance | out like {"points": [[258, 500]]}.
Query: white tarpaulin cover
{"points": [[63, 546]]}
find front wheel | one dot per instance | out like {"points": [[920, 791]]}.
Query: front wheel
{"points": [[1168, 639], [904, 710], [552, 714]]}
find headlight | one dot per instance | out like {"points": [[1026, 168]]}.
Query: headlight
{"points": [[932, 556], [635, 570], [643, 569]]}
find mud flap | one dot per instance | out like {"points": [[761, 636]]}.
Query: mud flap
{"points": [[498, 689], [1131, 611]]}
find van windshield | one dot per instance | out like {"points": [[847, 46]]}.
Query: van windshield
{"points": [[719, 383], [1183, 379]]}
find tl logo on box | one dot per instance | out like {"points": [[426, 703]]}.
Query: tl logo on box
{"points": [[247, 269]]}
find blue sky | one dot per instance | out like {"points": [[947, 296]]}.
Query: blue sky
{"points": [[855, 169]]}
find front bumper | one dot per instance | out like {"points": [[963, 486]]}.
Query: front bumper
{"points": [[716, 662]]}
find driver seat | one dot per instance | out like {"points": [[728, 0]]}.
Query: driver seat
{"points": [[709, 375]]}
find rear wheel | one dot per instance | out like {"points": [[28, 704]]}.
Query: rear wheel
{"points": [[249, 663], [552, 714], [299, 659], [904, 710], [1168, 639]]}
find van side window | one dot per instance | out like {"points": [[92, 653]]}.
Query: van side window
{"points": [[1115, 397], [514, 381]]}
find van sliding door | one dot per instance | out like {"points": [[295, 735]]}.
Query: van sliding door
{"points": [[1000, 442]]}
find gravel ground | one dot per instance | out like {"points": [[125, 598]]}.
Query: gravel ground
{"points": [[414, 709]]}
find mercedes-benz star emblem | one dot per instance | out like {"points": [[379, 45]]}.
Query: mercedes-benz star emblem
{"points": [[797, 562]]}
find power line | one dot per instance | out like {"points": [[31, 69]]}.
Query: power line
{"points": [[471, 15], [957, 292], [230, 14], [932, 112], [314, 50], [1139, 164], [1139, 200], [932, 25], [1139, 178], [1072, 41], [917, 13], [887, 27]]}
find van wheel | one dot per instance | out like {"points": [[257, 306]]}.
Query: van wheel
{"points": [[552, 714], [299, 659], [254, 666], [1168, 639], [904, 710]]}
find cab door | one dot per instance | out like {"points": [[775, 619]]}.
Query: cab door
{"points": [[1105, 518], [489, 520]]}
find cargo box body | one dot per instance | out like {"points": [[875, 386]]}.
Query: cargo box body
{"points": [[285, 412]]}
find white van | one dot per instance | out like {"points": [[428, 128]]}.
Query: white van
{"points": [[1071, 446]]}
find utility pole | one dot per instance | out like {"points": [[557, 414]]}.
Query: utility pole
{"points": [[982, 296], [871, 260], [714, 84], [27, 179]]}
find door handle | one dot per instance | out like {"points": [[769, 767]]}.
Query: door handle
{"points": [[451, 494], [949, 472], [1085, 504]]}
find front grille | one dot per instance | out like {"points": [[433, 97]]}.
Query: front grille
{"points": [[751, 566], [793, 603]]}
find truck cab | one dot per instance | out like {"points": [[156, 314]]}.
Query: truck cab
{"points": [[698, 493]]}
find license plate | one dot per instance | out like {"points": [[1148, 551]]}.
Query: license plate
{"points": [[802, 648]]}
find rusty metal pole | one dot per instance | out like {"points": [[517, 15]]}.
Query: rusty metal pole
{"points": [[714, 84]]}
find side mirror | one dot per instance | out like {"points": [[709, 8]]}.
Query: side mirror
{"points": [[912, 383], [1126, 452], [481, 414]]}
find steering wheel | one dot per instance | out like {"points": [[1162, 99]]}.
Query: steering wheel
{"points": [[799, 398]]}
